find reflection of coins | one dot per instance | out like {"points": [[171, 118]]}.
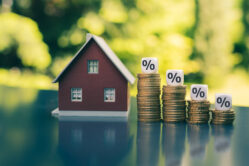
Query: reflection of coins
{"points": [[198, 111], [149, 120], [196, 121], [174, 104], [223, 117], [148, 97]]}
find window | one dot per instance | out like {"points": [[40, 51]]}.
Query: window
{"points": [[93, 66], [109, 95], [76, 94]]}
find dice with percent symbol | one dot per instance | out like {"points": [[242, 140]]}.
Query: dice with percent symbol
{"points": [[149, 65], [175, 77], [223, 102], [199, 92]]}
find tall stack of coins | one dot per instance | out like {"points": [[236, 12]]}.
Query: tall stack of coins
{"points": [[198, 111], [223, 117], [148, 97], [174, 104]]}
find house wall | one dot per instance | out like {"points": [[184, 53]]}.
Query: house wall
{"points": [[93, 85]]}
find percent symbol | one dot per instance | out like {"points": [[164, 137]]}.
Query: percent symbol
{"points": [[223, 102], [174, 77], [148, 65], [198, 92]]}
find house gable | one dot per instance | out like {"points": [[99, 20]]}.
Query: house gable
{"points": [[108, 52], [78, 67]]}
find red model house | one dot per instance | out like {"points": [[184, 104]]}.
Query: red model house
{"points": [[95, 82]]}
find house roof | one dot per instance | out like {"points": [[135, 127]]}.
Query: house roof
{"points": [[109, 53]]}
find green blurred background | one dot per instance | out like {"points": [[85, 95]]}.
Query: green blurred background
{"points": [[208, 39]]}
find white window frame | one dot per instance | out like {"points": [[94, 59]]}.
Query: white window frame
{"points": [[93, 66], [76, 94], [109, 95]]}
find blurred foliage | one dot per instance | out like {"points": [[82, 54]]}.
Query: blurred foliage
{"points": [[241, 47], [214, 39], [25, 78], [207, 39], [22, 34]]}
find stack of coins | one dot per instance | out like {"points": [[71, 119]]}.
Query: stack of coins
{"points": [[148, 97], [223, 117], [174, 104], [198, 111]]}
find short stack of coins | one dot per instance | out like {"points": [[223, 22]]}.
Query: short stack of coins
{"points": [[174, 104], [198, 111], [223, 113], [148, 91], [148, 97], [223, 117], [198, 106]]}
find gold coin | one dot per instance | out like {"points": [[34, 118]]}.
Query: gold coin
{"points": [[172, 98], [175, 87], [223, 115], [148, 101], [145, 75], [150, 79], [174, 102], [148, 117], [196, 102], [173, 120], [223, 112], [139, 97], [174, 113], [173, 108]]}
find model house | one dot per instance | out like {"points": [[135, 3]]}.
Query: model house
{"points": [[95, 82]]}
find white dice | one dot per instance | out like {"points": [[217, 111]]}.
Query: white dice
{"points": [[223, 102], [149, 65], [175, 77], [199, 92]]}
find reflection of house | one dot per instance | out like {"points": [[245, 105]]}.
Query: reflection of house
{"points": [[93, 143], [95, 80]]}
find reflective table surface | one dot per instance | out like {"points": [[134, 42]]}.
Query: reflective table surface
{"points": [[29, 135]]}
